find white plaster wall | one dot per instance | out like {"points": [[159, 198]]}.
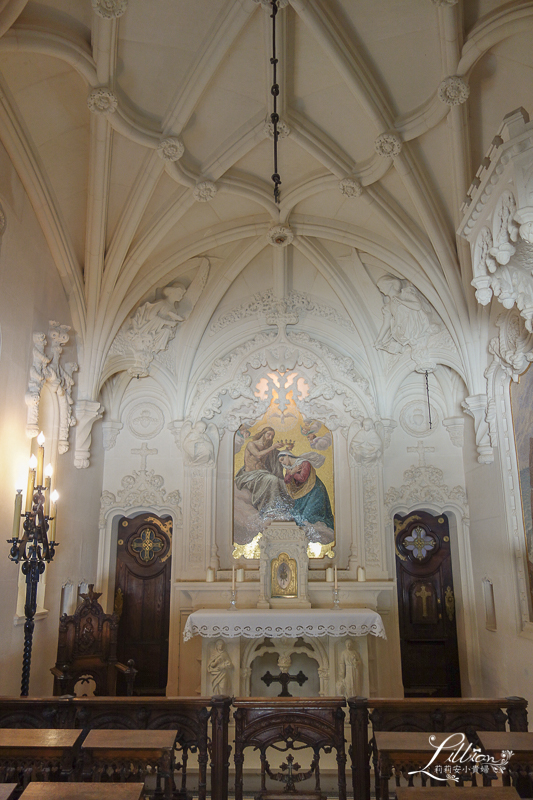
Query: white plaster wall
{"points": [[506, 654], [31, 294]]}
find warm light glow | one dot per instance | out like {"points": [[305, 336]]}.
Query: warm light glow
{"points": [[54, 497], [40, 439], [49, 471], [315, 548], [33, 462]]}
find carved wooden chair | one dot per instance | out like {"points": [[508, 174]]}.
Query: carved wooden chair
{"points": [[87, 651]]}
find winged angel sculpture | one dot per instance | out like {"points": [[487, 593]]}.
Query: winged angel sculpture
{"points": [[153, 325]]}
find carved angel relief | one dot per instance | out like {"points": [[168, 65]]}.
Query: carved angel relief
{"points": [[409, 323], [47, 369], [199, 443], [154, 324]]}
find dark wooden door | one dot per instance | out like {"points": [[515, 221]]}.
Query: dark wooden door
{"points": [[426, 601], [142, 597]]}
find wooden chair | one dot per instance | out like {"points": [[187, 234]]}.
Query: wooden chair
{"points": [[87, 650]]}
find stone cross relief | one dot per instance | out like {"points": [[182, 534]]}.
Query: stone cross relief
{"points": [[144, 451], [421, 450]]}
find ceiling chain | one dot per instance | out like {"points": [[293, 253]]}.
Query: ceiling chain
{"points": [[274, 117]]}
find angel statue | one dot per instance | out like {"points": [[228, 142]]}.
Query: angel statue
{"points": [[153, 325]]}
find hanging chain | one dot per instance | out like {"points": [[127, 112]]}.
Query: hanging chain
{"points": [[427, 393], [274, 117]]}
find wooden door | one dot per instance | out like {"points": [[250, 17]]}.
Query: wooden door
{"points": [[426, 601], [142, 597]]}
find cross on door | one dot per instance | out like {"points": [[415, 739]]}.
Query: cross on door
{"points": [[423, 594], [284, 678]]}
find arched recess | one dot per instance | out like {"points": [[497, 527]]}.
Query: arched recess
{"points": [[425, 490]]}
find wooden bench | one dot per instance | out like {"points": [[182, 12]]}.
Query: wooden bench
{"points": [[82, 791], [24, 753], [436, 715]]}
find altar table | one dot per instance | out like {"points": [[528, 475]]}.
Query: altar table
{"points": [[254, 623], [335, 639]]}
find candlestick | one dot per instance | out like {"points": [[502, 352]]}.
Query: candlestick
{"points": [[35, 550], [233, 579], [16, 517], [336, 581], [40, 460]]}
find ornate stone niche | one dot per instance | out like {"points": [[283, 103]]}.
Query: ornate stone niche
{"points": [[283, 567]]}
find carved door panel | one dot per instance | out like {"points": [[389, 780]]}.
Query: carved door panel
{"points": [[426, 603], [142, 597]]}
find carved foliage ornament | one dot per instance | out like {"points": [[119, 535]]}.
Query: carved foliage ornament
{"points": [[110, 9], [453, 91], [283, 128], [280, 236], [388, 145], [204, 191], [350, 187], [170, 149], [102, 101]]}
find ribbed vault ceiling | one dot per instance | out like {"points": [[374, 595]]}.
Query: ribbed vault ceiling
{"points": [[121, 220]]}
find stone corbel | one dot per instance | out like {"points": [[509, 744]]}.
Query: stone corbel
{"points": [[110, 430], [87, 413], [477, 406]]}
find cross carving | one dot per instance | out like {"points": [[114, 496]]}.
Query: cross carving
{"points": [[144, 452], [284, 678], [421, 450], [423, 594]]}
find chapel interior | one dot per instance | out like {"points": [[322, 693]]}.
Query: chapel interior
{"points": [[277, 341]]}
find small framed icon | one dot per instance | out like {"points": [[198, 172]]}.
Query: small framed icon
{"points": [[284, 576]]}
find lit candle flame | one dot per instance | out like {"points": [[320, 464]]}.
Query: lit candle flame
{"points": [[40, 439]]}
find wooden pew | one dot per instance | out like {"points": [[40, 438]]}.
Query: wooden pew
{"points": [[466, 715]]}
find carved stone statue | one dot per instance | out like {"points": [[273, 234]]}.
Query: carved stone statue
{"points": [[366, 445], [198, 444], [153, 325], [348, 667], [220, 667], [406, 321]]}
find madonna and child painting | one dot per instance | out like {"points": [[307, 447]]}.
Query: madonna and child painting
{"points": [[283, 470]]}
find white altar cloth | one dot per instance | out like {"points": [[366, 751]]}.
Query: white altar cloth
{"points": [[253, 623]]}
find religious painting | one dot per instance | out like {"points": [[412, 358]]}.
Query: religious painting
{"points": [[283, 470], [522, 407]]}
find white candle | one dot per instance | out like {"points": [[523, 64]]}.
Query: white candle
{"points": [[329, 574], [16, 518], [53, 511], [47, 483], [240, 575], [210, 577], [31, 483], [233, 579], [40, 460], [361, 574], [336, 582]]}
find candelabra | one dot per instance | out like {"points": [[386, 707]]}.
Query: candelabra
{"points": [[37, 546]]}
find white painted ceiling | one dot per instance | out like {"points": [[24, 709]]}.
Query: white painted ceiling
{"points": [[121, 221]]}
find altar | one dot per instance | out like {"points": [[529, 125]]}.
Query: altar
{"points": [[248, 652]]}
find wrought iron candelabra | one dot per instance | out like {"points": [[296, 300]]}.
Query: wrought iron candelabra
{"points": [[35, 549]]}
